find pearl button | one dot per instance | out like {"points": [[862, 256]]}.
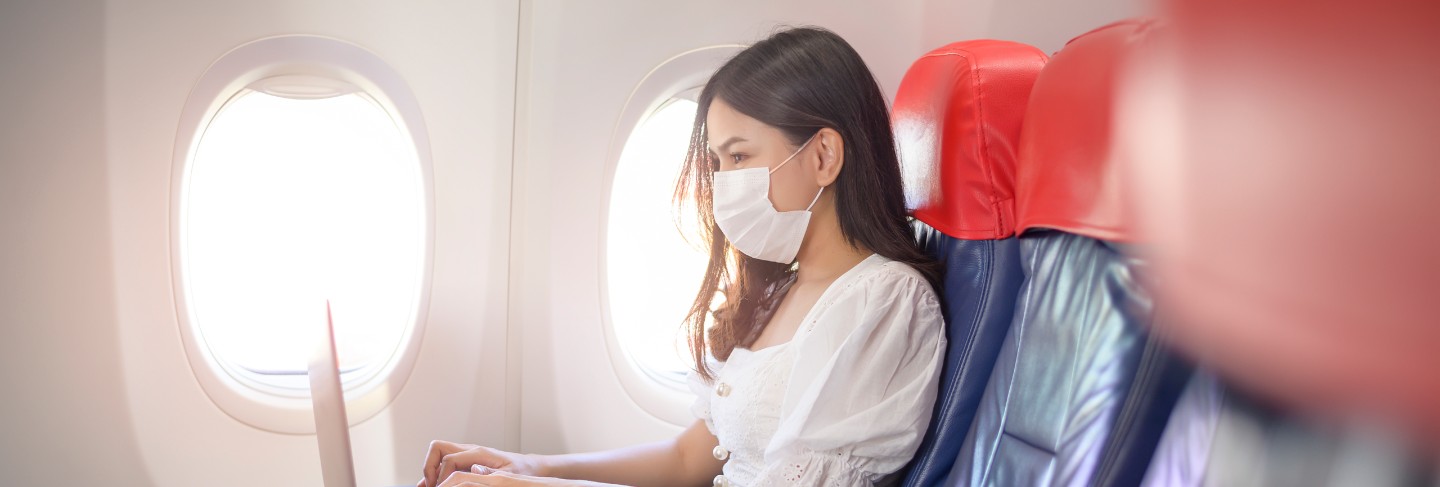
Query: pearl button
{"points": [[721, 453], [721, 481], [722, 390]]}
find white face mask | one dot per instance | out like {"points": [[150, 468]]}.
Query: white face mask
{"points": [[744, 213]]}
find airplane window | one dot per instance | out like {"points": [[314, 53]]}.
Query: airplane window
{"points": [[291, 200], [655, 261]]}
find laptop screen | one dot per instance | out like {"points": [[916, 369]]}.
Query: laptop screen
{"points": [[332, 428]]}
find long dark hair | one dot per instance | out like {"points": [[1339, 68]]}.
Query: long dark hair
{"points": [[798, 80]]}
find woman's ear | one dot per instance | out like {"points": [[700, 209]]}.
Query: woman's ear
{"points": [[831, 153]]}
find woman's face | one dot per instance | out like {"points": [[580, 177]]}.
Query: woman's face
{"points": [[740, 142]]}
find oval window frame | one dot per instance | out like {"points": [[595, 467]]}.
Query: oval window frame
{"points": [[680, 76], [296, 57]]}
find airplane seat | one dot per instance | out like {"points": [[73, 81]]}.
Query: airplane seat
{"points": [[1081, 389], [1220, 435], [957, 120]]}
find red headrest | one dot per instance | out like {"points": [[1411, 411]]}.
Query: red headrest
{"points": [[1067, 178], [957, 124]]}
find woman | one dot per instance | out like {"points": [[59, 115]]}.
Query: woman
{"points": [[820, 366]]}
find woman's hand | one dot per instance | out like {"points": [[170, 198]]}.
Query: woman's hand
{"points": [[446, 458], [482, 476]]}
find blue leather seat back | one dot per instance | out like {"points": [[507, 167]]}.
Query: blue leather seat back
{"points": [[982, 278], [1066, 373], [957, 120]]}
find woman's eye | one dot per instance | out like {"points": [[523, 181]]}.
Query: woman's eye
{"points": [[737, 157]]}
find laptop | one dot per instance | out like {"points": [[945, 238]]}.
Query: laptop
{"points": [[332, 428]]}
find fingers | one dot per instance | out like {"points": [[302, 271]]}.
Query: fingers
{"points": [[453, 462], [433, 457], [446, 458], [501, 477], [467, 479], [458, 480], [473, 455], [492, 478], [484, 470]]}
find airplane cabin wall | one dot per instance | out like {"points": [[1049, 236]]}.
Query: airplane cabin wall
{"points": [[63, 413], [97, 384], [458, 59], [1045, 24]]}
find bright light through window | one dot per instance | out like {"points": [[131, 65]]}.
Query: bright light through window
{"points": [[290, 202], [653, 270]]}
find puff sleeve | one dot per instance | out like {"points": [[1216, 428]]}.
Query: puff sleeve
{"points": [[700, 408]]}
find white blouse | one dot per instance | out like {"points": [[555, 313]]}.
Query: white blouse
{"points": [[846, 401]]}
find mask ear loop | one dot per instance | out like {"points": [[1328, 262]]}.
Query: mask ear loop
{"points": [[817, 198], [792, 156]]}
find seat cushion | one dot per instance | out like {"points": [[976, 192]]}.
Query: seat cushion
{"points": [[1066, 370]]}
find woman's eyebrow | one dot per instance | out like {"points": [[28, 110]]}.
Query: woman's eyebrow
{"points": [[729, 141]]}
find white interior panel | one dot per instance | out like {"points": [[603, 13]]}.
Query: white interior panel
{"points": [[1046, 24], [458, 59], [60, 376]]}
